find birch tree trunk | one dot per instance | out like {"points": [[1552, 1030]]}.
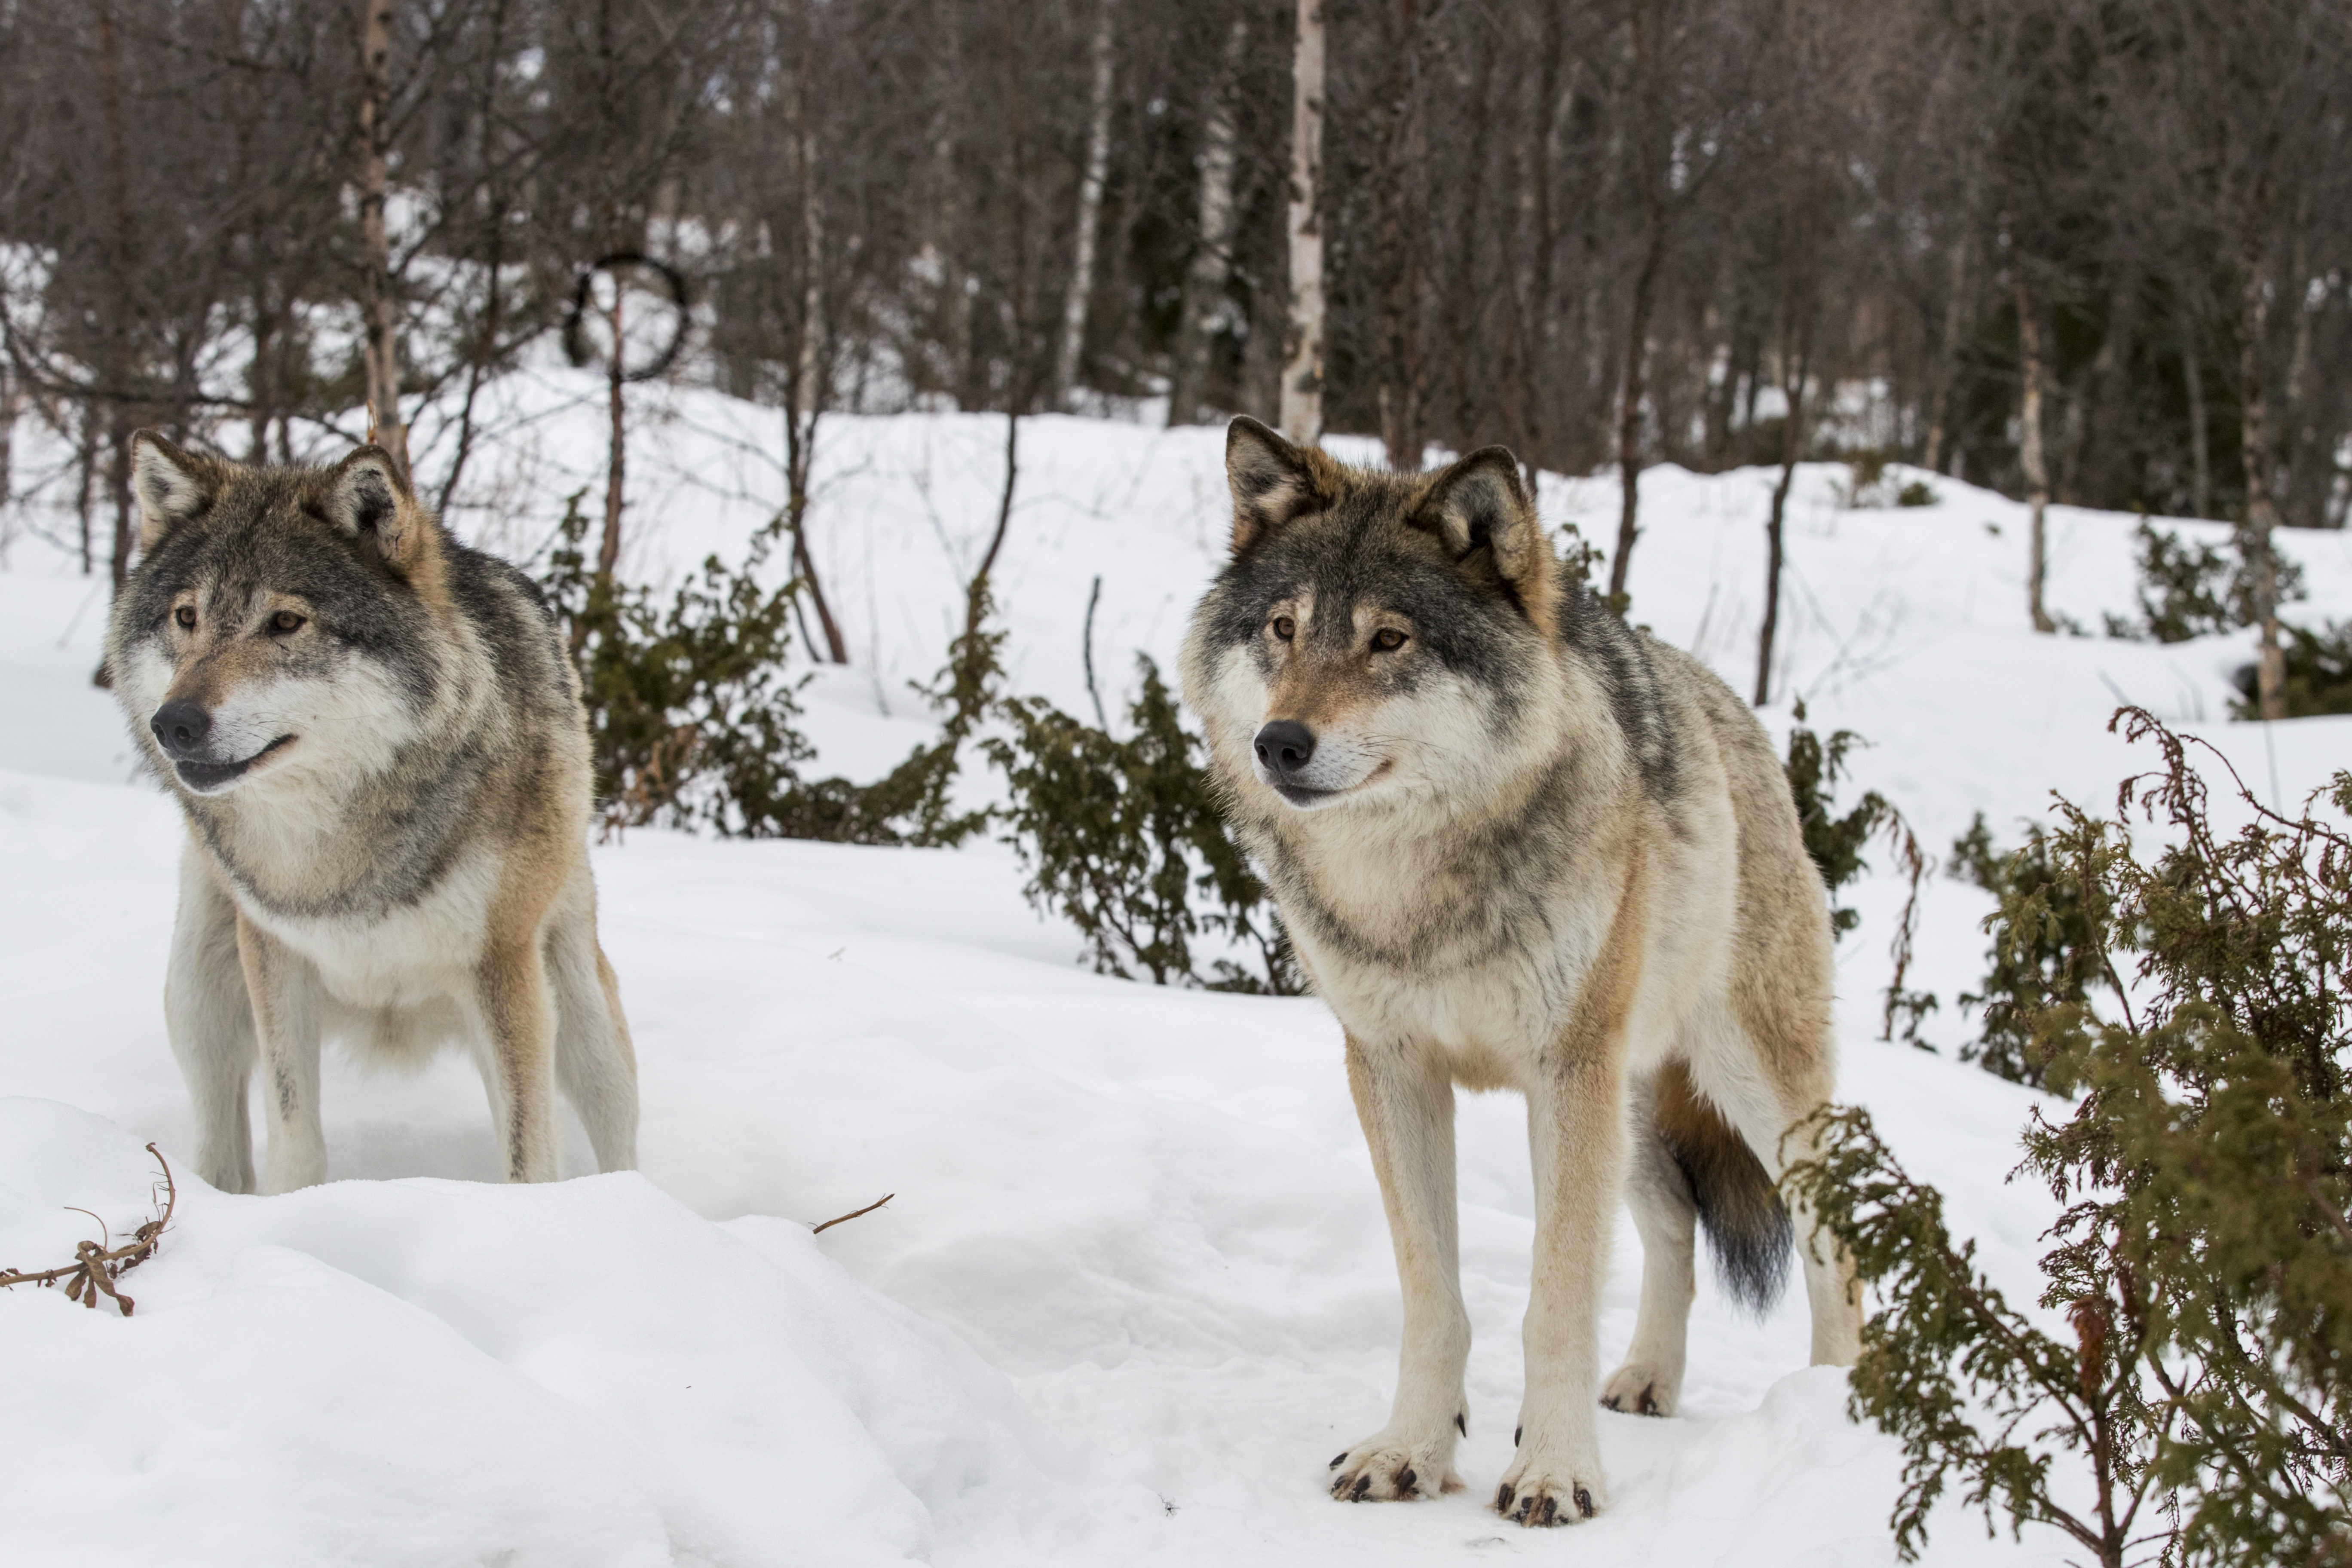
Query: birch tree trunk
{"points": [[616, 454], [1091, 199], [2288, 505], [381, 344], [1205, 309], [2262, 509], [808, 396], [2030, 454], [1302, 370], [117, 343]]}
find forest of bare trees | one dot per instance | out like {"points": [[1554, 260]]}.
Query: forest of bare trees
{"points": [[2094, 250]]}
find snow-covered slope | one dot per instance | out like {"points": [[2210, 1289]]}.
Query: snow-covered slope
{"points": [[1135, 1286]]}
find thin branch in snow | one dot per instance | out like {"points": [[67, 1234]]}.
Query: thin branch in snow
{"points": [[853, 1213]]}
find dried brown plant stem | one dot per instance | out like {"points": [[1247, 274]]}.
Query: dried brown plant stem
{"points": [[853, 1213], [96, 1266]]}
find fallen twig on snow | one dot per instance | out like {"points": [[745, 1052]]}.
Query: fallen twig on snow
{"points": [[853, 1213], [96, 1266]]}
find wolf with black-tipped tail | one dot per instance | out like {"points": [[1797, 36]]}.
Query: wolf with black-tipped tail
{"points": [[1520, 845]]}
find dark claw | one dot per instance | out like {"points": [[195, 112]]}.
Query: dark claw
{"points": [[1405, 1478], [1609, 1402], [1649, 1404], [1584, 1502], [1462, 1424], [1514, 1436], [1363, 1485], [1340, 1460], [1548, 1514], [1503, 1498]]}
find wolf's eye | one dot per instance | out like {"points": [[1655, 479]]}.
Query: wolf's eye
{"points": [[284, 621], [1285, 628], [1388, 640], [186, 615]]}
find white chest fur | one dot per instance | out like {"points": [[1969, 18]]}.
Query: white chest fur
{"points": [[1487, 1019], [409, 957], [1490, 1019]]}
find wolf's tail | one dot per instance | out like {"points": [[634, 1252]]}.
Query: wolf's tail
{"points": [[1747, 1225]]}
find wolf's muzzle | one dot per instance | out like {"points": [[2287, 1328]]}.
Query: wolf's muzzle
{"points": [[1284, 746], [184, 731], [182, 728], [1283, 750]]}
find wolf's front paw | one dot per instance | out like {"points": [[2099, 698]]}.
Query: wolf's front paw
{"points": [[1391, 1467], [1538, 1491], [1639, 1390]]}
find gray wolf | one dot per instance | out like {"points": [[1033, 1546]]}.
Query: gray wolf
{"points": [[1521, 846], [377, 741]]}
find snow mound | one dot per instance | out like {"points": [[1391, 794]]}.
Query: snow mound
{"points": [[433, 1371]]}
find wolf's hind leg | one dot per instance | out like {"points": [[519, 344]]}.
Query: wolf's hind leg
{"points": [[595, 1065], [1405, 1098], [1831, 1290], [209, 1017], [1650, 1381], [288, 1007], [518, 1015]]}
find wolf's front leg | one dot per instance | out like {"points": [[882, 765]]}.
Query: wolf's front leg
{"points": [[1576, 1134], [519, 1016], [287, 1003], [1405, 1098], [209, 1017]]}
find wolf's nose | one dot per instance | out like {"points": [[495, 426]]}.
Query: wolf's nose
{"points": [[1285, 745], [180, 727]]}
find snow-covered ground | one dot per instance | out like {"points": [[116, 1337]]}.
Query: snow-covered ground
{"points": [[1135, 1287]]}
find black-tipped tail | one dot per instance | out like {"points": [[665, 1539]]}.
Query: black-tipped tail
{"points": [[1746, 1224]]}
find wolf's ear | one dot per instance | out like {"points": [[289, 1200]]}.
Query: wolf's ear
{"points": [[173, 486], [1479, 505], [369, 499], [1272, 481]]}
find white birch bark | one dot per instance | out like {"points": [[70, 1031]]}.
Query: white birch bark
{"points": [[381, 348], [2261, 507], [2030, 456], [1302, 370]]}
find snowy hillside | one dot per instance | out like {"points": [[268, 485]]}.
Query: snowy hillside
{"points": [[1135, 1287]]}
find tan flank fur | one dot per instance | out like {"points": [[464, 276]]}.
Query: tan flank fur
{"points": [[375, 735], [1521, 846]]}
